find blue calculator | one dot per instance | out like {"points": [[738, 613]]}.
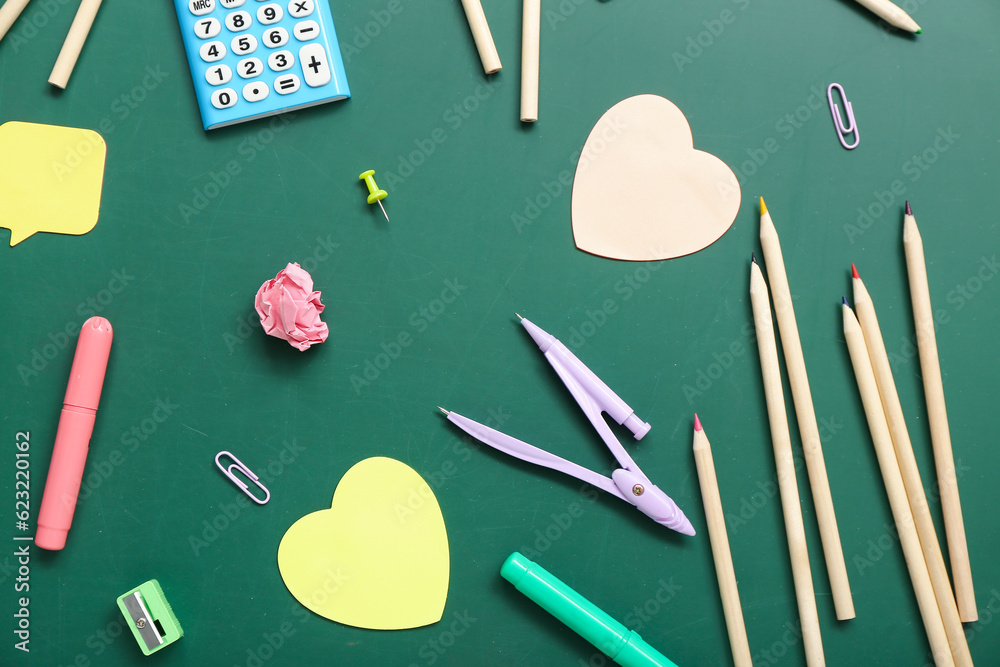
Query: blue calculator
{"points": [[256, 58]]}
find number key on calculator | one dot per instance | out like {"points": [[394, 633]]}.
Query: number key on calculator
{"points": [[256, 58]]}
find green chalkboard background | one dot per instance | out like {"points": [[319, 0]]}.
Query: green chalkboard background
{"points": [[181, 248]]}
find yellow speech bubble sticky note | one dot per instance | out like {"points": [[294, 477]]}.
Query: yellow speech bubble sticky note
{"points": [[50, 179]]}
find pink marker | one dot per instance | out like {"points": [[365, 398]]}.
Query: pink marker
{"points": [[76, 424]]}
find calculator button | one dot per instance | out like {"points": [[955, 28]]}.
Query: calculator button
{"points": [[238, 21], [248, 68], [218, 75], [206, 28], [287, 84], [231, 4], [244, 44], [201, 7], [280, 60], [224, 98], [256, 91], [306, 30], [269, 14], [315, 66], [212, 51], [300, 8], [275, 37]]}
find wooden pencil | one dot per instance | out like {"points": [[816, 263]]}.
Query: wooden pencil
{"points": [[812, 449], [531, 28], [482, 36], [937, 418], [895, 489], [915, 495], [891, 14], [721, 553], [788, 487], [71, 48]]}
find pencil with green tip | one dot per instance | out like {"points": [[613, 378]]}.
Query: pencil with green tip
{"points": [[891, 14]]}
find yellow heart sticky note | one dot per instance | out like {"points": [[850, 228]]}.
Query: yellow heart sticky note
{"points": [[378, 558], [50, 179], [642, 192]]}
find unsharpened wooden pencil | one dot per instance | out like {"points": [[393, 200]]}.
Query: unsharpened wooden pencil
{"points": [[531, 27], [895, 489], [788, 488], [915, 495], [721, 553], [937, 418], [482, 36], [73, 45], [836, 568]]}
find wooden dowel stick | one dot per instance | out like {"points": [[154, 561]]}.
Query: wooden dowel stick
{"points": [[833, 552], [482, 36], [937, 418], [895, 489], [531, 27], [915, 495], [71, 48], [721, 553], [9, 12], [789, 490]]}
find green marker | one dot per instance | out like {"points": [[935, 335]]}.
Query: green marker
{"points": [[616, 641]]}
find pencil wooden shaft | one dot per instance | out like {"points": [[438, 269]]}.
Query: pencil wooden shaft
{"points": [[9, 12], [812, 449], [891, 14], [71, 48], [531, 27], [911, 475], [896, 491], [482, 36], [778, 418], [937, 418], [721, 553]]}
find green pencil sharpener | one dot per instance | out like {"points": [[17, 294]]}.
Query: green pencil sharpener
{"points": [[150, 617]]}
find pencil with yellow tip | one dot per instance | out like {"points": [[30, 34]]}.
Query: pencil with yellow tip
{"points": [[819, 484]]}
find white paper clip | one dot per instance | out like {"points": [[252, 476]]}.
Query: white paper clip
{"points": [[228, 472], [838, 121]]}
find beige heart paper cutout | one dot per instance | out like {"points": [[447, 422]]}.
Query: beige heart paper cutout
{"points": [[378, 558], [642, 191]]}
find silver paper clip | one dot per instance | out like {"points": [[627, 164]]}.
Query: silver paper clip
{"points": [[838, 121], [228, 472]]}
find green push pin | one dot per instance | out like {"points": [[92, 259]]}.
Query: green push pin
{"points": [[374, 194]]}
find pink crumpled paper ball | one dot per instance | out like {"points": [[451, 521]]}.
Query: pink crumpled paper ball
{"points": [[290, 309]]}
